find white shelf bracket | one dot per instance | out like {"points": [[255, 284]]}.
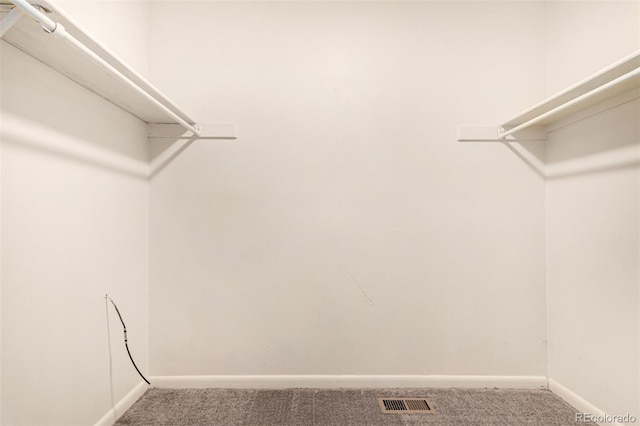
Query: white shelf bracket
{"points": [[223, 131], [9, 20]]}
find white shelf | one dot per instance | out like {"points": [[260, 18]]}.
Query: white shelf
{"points": [[29, 36], [612, 85]]}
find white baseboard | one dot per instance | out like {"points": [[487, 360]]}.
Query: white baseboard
{"points": [[123, 405], [577, 402], [348, 381]]}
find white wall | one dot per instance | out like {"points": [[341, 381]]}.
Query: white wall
{"points": [[74, 227], [593, 215], [346, 231]]}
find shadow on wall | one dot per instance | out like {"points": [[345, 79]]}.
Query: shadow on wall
{"points": [[604, 142], [24, 134], [67, 111], [600, 143], [163, 151], [531, 153]]}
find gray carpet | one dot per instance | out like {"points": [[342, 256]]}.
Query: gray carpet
{"points": [[329, 407]]}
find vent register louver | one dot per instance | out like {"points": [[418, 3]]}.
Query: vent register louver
{"points": [[405, 405]]}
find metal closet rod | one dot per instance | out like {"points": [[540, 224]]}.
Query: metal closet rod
{"points": [[566, 105], [58, 31]]}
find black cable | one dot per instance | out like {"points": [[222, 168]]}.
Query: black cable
{"points": [[126, 345]]}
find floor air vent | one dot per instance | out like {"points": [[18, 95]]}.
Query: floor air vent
{"points": [[405, 405]]}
